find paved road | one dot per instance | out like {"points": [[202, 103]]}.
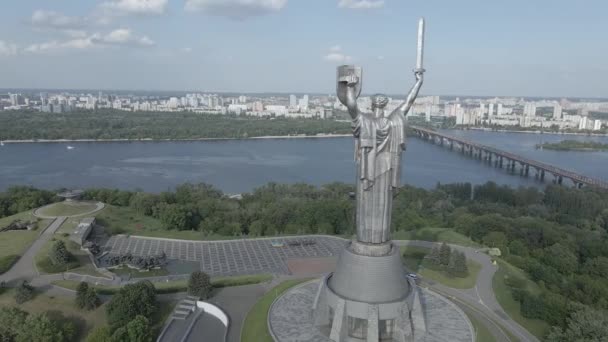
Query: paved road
{"points": [[481, 297], [25, 267]]}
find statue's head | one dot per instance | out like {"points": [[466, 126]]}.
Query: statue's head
{"points": [[379, 101]]}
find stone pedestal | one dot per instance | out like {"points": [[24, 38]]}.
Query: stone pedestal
{"points": [[369, 298]]}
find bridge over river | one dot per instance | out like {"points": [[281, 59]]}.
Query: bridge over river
{"points": [[504, 159]]}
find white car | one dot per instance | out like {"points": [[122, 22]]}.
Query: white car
{"points": [[413, 276]]}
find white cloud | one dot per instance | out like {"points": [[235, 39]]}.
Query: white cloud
{"points": [[118, 37], [380, 58], [361, 4], [336, 55], [235, 9], [56, 20], [7, 49], [126, 7]]}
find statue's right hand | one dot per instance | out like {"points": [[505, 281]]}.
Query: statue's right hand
{"points": [[350, 80]]}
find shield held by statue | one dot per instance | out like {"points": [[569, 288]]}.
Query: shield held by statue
{"points": [[348, 74]]}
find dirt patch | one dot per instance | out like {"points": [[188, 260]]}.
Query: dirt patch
{"points": [[311, 266]]}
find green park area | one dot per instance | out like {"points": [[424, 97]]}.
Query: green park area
{"points": [[415, 260], [14, 243], [503, 293], [78, 261], [436, 235], [255, 327], [67, 209], [84, 321]]}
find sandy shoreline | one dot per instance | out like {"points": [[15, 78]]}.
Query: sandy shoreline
{"points": [[33, 141]]}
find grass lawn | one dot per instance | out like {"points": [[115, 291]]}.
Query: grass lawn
{"points": [[67, 209], [435, 234], [503, 295], [255, 328], [80, 262], [482, 334], [85, 320], [125, 220], [413, 257], [14, 243], [124, 270]]}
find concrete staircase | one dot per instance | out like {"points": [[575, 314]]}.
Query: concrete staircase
{"points": [[184, 308]]}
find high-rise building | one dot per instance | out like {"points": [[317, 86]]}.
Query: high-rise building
{"points": [[482, 109], [499, 109], [293, 101], [557, 112], [490, 109], [303, 103], [529, 109]]}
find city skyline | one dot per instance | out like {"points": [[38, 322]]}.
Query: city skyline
{"points": [[519, 49]]}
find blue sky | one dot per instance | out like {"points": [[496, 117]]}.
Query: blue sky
{"points": [[517, 47]]}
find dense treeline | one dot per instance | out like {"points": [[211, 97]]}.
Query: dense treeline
{"points": [[574, 145], [558, 236], [22, 198], [270, 210], [116, 124]]}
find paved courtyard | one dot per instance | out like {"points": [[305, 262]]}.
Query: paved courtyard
{"points": [[234, 257]]}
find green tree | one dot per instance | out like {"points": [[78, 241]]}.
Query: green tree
{"points": [[583, 325], [41, 328], [138, 330], [101, 334], [559, 257], [460, 264], [24, 292], [59, 254], [434, 256], [444, 254], [11, 320], [199, 285], [130, 301], [81, 293]]}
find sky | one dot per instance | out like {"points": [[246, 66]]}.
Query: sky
{"points": [[473, 47]]}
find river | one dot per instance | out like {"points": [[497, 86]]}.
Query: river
{"points": [[237, 166]]}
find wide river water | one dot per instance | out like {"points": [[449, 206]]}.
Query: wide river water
{"points": [[241, 165]]}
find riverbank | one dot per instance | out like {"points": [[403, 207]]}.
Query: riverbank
{"points": [[32, 141], [530, 132]]}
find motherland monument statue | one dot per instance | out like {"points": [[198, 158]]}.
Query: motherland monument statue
{"points": [[368, 297], [379, 145]]}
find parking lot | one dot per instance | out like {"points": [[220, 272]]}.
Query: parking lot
{"points": [[223, 258]]}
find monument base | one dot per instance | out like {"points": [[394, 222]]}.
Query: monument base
{"points": [[369, 298], [291, 318]]}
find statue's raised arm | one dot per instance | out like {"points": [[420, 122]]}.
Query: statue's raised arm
{"points": [[411, 96], [349, 87], [418, 73]]}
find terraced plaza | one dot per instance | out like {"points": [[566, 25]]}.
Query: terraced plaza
{"points": [[231, 257]]}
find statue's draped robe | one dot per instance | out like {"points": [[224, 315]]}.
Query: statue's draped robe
{"points": [[379, 144]]}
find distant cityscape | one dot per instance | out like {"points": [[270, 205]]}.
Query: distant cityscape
{"points": [[552, 114]]}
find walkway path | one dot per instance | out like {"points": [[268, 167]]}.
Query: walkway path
{"points": [[25, 267]]}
